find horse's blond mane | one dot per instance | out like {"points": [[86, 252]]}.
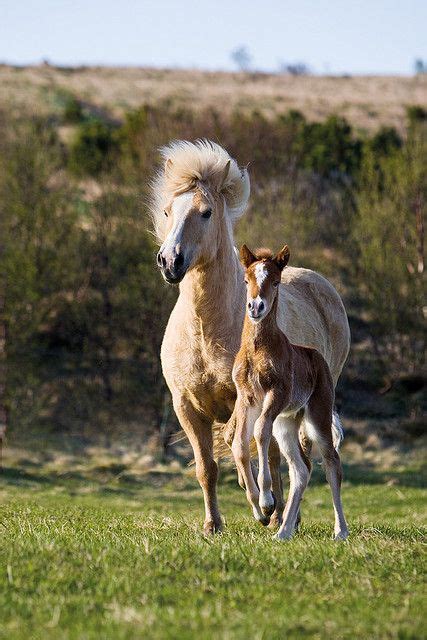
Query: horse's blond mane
{"points": [[188, 164]]}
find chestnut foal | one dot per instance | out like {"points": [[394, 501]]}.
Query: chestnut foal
{"points": [[281, 383]]}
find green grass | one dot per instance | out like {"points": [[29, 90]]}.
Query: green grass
{"points": [[80, 558]]}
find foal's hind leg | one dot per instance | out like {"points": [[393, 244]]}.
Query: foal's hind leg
{"points": [[286, 433], [276, 483], [319, 424]]}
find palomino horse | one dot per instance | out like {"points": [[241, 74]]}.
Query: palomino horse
{"points": [[198, 195], [274, 377]]}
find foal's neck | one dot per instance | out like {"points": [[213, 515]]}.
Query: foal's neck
{"points": [[265, 332]]}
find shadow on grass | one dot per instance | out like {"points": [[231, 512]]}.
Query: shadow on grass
{"points": [[129, 485], [357, 474]]}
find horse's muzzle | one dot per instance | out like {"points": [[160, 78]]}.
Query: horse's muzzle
{"points": [[173, 269]]}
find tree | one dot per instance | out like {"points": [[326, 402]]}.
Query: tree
{"points": [[420, 66], [241, 58]]}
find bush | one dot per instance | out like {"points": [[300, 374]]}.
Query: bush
{"points": [[328, 148], [73, 111], [92, 151], [388, 233], [385, 141]]}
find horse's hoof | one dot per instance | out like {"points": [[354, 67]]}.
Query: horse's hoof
{"points": [[210, 527]]}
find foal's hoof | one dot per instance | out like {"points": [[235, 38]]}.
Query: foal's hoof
{"points": [[264, 520], [210, 527], [283, 537], [268, 509], [276, 520], [341, 535]]}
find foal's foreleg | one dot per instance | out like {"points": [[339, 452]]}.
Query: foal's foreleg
{"points": [[262, 432], [269, 480], [228, 435], [245, 419]]}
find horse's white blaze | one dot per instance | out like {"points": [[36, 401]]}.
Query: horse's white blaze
{"points": [[180, 208], [260, 273]]}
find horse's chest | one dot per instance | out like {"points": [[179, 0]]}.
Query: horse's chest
{"points": [[205, 377]]}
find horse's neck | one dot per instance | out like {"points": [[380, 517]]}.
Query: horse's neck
{"points": [[213, 295]]}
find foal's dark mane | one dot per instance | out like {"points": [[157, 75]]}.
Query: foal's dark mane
{"points": [[263, 254]]}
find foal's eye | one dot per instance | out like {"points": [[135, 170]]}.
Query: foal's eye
{"points": [[207, 214], [246, 282], [165, 212]]}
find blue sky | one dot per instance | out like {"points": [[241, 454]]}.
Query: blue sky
{"points": [[368, 36]]}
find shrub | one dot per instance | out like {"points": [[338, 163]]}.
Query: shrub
{"points": [[73, 111], [328, 148], [92, 150]]}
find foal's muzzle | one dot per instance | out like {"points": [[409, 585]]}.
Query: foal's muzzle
{"points": [[173, 267], [256, 309]]}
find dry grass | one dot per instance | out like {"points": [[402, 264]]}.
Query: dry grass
{"points": [[366, 101]]}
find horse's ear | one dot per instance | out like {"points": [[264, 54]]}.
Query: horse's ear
{"points": [[168, 165], [246, 256], [282, 258], [224, 175]]}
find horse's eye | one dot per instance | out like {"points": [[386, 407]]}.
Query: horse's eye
{"points": [[276, 284], [165, 212], [246, 282], [207, 214]]}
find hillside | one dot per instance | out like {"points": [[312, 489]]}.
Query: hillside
{"points": [[366, 101]]}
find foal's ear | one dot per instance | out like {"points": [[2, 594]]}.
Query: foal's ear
{"points": [[282, 258], [246, 256], [224, 176]]}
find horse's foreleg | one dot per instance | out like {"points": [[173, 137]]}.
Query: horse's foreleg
{"points": [[199, 432]]}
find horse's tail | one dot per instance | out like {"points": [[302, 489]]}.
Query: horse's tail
{"points": [[337, 430]]}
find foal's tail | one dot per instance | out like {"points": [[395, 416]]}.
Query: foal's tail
{"points": [[337, 430]]}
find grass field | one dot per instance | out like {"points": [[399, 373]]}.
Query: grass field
{"points": [[82, 557], [366, 101]]}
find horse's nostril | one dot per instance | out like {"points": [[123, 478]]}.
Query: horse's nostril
{"points": [[249, 305], [160, 259], [261, 306], [179, 260]]}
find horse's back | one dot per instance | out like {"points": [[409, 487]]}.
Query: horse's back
{"points": [[311, 313]]}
